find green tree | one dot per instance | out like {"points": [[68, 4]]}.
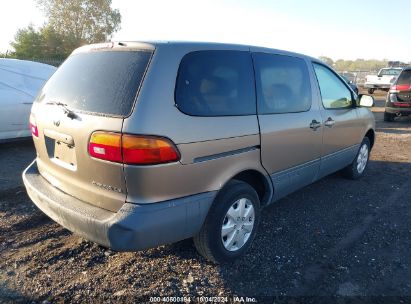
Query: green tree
{"points": [[54, 45], [81, 21], [360, 64], [70, 24], [28, 43]]}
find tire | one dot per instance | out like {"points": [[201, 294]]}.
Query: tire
{"points": [[371, 91], [359, 165], [210, 242], [389, 116]]}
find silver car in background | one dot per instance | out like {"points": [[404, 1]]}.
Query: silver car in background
{"points": [[20, 81]]}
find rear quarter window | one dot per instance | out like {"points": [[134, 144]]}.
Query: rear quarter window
{"points": [[216, 83]]}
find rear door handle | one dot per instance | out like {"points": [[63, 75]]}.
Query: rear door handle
{"points": [[315, 125], [329, 122]]}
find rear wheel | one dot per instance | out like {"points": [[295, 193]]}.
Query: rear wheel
{"points": [[389, 116], [231, 223], [357, 168], [371, 91]]}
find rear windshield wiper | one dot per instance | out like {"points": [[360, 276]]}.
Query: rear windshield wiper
{"points": [[70, 113]]}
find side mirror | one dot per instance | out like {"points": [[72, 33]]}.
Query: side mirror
{"points": [[365, 101]]}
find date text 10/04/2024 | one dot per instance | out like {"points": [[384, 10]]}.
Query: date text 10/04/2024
{"points": [[203, 299]]}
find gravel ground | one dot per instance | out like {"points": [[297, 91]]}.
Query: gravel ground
{"points": [[333, 238]]}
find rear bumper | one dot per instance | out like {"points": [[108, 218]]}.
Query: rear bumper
{"points": [[133, 227], [376, 86], [398, 110]]}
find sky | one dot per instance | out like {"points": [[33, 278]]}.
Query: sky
{"points": [[338, 29]]}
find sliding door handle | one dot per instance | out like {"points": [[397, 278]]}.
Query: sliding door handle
{"points": [[315, 124], [329, 122]]}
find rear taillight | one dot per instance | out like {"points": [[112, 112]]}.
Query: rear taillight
{"points": [[33, 126], [401, 104], [105, 145], [400, 87], [132, 149]]}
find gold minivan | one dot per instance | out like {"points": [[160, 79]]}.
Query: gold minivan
{"points": [[142, 144]]}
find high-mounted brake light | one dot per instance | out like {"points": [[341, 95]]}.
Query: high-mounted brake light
{"points": [[102, 46], [132, 149], [33, 126]]}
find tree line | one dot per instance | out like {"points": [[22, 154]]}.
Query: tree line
{"points": [[358, 64]]}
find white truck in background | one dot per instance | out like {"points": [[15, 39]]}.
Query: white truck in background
{"points": [[382, 81]]}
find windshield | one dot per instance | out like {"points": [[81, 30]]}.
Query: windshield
{"points": [[404, 78], [389, 72], [103, 82]]}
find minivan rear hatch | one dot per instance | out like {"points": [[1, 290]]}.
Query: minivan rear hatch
{"points": [[93, 91]]}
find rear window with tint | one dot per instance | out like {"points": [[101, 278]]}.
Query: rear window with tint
{"points": [[389, 72], [216, 83], [404, 78], [103, 82]]}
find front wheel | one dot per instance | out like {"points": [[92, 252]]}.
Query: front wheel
{"points": [[231, 223], [357, 168], [370, 91]]}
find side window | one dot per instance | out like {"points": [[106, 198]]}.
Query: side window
{"points": [[283, 84], [334, 93], [216, 83]]}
